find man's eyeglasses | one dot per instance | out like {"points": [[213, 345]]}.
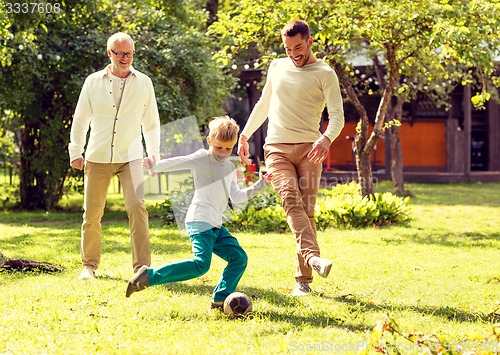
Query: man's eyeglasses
{"points": [[123, 54]]}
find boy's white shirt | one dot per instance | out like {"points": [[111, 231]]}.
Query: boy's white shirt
{"points": [[214, 182]]}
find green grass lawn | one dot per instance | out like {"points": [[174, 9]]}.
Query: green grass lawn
{"points": [[440, 275]]}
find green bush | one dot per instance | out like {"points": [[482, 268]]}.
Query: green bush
{"points": [[342, 206], [262, 214]]}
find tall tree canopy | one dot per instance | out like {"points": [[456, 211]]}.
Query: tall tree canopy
{"points": [[45, 57], [423, 42]]}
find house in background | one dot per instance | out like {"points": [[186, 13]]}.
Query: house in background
{"points": [[458, 145]]}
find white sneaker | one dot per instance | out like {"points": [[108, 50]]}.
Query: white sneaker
{"points": [[320, 265], [86, 274], [301, 289]]}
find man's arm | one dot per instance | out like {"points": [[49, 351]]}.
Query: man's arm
{"points": [[257, 117], [151, 125], [79, 129], [335, 106]]}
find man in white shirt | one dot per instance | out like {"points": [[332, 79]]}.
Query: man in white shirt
{"points": [[293, 98], [118, 104]]}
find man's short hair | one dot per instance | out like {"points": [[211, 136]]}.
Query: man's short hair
{"points": [[224, 129], [119, 36], [295, 27]]}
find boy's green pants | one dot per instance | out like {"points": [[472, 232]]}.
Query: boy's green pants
{"points": [[206, 240]]}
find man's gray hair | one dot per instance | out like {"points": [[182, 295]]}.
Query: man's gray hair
{"points": [[119, 36]]}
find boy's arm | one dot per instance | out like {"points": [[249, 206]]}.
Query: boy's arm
{"points": [[185, 162], [239, 196]]}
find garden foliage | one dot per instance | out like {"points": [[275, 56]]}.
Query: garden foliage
{"points": [[341, 206]]}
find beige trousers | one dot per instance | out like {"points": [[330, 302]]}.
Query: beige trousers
{"points": [[97, 178], [297, 181]]}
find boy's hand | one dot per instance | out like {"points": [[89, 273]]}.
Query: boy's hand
{"points": [[148, 164]]}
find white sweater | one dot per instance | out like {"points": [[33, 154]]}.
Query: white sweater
{"points": [[214, 183], [293, 99]]}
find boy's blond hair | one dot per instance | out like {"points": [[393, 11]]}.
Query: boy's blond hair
{"points": [[224, 129]]}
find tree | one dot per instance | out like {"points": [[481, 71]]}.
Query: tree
{"points": [[46, 57], [421, 41]]}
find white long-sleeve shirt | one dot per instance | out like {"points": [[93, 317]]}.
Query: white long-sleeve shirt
{"points": [[115, 130], [293, 99], [214, 183]]}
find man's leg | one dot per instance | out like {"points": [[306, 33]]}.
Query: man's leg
{"points": [[131, 177], [227, 247], [280, 161], [309, 175], [96, 182]]}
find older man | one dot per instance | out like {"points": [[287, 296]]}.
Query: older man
{"points": [[118, 104]]}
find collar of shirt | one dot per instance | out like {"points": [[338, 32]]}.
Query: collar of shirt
{"points": [[104, 72]]}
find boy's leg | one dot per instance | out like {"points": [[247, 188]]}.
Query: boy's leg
{"points": [[203, 244], [227, 247]]}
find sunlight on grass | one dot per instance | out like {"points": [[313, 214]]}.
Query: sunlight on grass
{"points": [[438, 275]]}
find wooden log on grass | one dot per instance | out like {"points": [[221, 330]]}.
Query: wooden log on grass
{"points": [[26, 265]]}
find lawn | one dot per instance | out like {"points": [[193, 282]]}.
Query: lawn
{"points": [[438, 279]]}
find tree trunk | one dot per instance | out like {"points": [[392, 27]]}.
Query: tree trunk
{"points": [[30, 185], [397, 151], [393, 112], [212, 8], [365, 174], [363, 165]]}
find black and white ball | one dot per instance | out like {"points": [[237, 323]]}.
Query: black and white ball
{"points": [[237, 304]]}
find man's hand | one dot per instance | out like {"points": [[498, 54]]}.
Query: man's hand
{"points": [[244, 150], [267, 177], [319, 150], [148, 164], [78, 163]]}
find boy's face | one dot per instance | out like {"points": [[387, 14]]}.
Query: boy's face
{"points": [[219, 149]]}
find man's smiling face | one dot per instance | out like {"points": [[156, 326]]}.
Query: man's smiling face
{"points": [[298, 49], [120, 64]]}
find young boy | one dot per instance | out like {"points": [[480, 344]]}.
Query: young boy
{"points": [[215, 182]]}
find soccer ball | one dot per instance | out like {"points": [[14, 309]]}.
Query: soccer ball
{"points": [[237, 304]]}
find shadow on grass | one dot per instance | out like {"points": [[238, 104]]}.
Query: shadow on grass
{"points": [[451, 314], [63, 235], [290, 309], [469, 239]]}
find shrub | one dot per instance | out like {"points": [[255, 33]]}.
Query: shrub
{"points": [[342, 206]]}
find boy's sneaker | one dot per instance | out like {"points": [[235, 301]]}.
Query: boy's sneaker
{"points": [[87, 274], [301, 289], [320, 265], [138, 282], [216, 305]]}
